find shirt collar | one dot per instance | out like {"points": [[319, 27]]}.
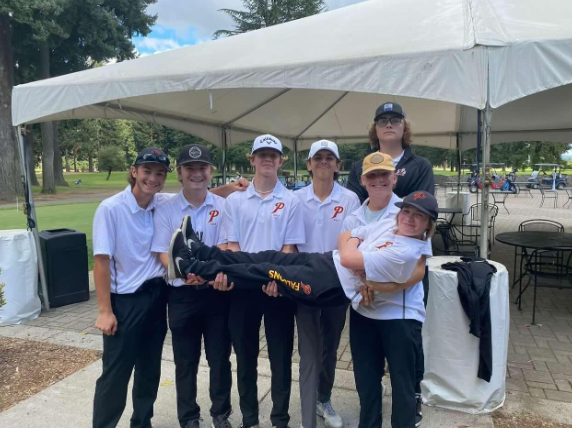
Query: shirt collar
{"points": [[335, 195], [183, 203], [132, 202], [277, 192]]}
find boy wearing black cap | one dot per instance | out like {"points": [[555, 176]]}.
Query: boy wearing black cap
{"points": [[196, 310], [130, 294]]}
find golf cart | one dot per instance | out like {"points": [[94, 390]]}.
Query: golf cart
{"points": [[499, 181], [553, 180]]}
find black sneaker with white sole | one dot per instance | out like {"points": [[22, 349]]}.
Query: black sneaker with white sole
{"points": [[192, 240], [181, 260], [418, 409]]}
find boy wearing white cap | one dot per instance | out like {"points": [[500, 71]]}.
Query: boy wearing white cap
{"points": [[265, 216], [325, 204], [196, 311]]}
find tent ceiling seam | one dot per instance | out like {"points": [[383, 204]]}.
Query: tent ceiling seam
{"points": [[322, 115], [252, 110]]}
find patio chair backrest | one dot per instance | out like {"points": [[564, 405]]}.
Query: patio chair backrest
{"points": [[476, 212], [541, 225]]}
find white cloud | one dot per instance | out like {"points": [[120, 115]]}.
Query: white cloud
{"points": [[157, 45], [201, 18]]}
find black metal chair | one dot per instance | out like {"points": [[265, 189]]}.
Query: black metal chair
{"points": [[475, 221], [448, 240], [543, 272], [546, 193]]}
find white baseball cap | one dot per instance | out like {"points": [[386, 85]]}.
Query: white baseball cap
{"points": [[324, 145], [266, 141]]}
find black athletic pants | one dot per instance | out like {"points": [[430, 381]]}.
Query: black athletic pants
{"points": [[138, 343], [195, 313], [372, 341], [246, 310], [307, 278]]}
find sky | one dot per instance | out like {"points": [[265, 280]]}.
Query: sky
{"points": [[190, 22]]}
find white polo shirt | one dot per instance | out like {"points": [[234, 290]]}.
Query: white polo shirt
{"points": [[323, 221], [387, 258], [206, 220], [357, 217], [124, 231], [258, 224]]}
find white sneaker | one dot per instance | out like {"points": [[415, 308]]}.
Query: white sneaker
{"points": [[331, 418]]}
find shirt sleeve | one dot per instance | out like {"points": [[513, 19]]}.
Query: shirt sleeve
{"points": [[394, 263], [231, 229], [103, 232], [222, 229], [295, 231], [162, 234]]}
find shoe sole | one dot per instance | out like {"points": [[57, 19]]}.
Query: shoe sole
{"points": [[171, 270], [186, 221]]}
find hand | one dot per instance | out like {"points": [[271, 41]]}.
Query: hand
{"points": [[367, 295], [193, 279], [220, 283], [240, 185], [271, 289], [384, 287], [360, 273], [107, 323]]}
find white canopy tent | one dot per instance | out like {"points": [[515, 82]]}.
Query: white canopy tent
{"points": [[323, 77]]}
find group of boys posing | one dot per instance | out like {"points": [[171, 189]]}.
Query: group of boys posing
{"points": [[132, 238]]}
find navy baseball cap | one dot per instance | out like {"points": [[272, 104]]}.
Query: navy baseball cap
{"points": [[387, 108], [423, 201], [152, 155], [195, 153]]}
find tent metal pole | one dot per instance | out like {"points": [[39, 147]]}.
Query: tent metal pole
{"points": [[295, 161], [223, 130], [458, 138], [32, 213], [486, 180]]}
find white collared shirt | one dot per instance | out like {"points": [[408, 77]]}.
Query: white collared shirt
{"points": [[258, 224], [387, 258], [357, 217], [206, 220], [124, 231], [323, 221]]}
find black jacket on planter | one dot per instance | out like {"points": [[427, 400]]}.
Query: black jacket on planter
{"points": [[413, 173]]}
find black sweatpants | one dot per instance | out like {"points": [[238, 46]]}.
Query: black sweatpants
{"points": [[137, 343], [195, 313], [307, 278], [372, 341], [247, 307]]}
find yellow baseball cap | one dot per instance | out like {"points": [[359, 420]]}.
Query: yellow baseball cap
{"points": [[377, 160]]}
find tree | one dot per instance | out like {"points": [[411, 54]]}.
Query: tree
{"points": [[2, 285], [265, 13], [110, 159]]}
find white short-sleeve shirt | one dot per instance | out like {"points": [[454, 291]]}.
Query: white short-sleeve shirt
{"points": [[124, 231], [357, 217], [387, 258], [258, 224], [323, 221], [206, 220]]}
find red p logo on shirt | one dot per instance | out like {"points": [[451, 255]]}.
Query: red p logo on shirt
{"points": [[338, 210], [278, 206], [213, 214]]}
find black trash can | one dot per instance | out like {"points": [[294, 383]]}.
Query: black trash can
{"points": [[64, 252]]}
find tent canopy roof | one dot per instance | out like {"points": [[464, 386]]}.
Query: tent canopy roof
{"points": [[323, 76]]}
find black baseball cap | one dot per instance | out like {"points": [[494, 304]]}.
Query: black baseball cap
{"points": [[195, 153], [386, 108], [152, 155], [423, 201]]}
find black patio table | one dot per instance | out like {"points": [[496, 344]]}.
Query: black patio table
{"points": [[556, 241]]}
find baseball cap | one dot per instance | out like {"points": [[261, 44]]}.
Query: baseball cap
{"points": [[266, 141], [324, 145], [423, 201], [375, 161], [152, 155], [195, 153], [386, 108]]}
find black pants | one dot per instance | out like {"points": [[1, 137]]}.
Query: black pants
{"points": [[138, 343], [246, 310], [194, 314], [371, 342], [307, 278]]}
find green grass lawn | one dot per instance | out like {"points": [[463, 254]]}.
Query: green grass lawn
{"points": [[72, 216]]}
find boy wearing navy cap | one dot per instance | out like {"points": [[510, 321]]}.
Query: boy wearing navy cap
{"points": [[130, 294]]}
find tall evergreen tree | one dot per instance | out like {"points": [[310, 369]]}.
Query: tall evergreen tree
{"points": [[265, 13]]}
